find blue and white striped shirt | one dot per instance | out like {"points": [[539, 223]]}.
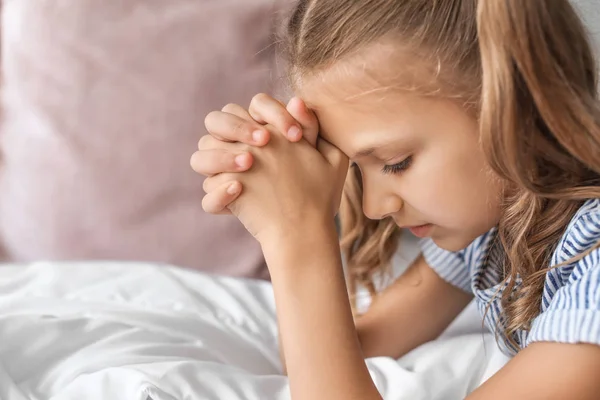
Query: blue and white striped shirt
{"points": [[570, 309]]}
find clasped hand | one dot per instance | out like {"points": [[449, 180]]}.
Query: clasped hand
{"points": [[273, 183]]}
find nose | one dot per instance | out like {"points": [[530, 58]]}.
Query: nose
{"points": [[378, 200]]}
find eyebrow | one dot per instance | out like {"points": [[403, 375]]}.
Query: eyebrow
{"points": [[397, 144], [364, 153]]}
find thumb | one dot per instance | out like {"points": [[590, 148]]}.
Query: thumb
{"points": [[307, 119], [332, 154]]}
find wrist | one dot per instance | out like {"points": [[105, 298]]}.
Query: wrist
{"points": [[293, 245], [311, 229]]}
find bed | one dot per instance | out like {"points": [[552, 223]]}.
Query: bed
{"points": [[139, 331]]}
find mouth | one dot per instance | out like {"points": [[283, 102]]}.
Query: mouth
{"points": [[420, 231]]}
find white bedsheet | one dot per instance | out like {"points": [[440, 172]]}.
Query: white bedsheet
{"points": [[126, 331]]}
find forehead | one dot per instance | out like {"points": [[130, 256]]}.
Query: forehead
{"points": [[382, 83], [386, 118], [347, 108], [357, 92], [378, 69]]}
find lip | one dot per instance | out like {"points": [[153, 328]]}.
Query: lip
{"points": [[420, 231]]}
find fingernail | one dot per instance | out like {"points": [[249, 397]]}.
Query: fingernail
{"points": [[258, 136], [294, 133], [241, 160], [233, 188]]}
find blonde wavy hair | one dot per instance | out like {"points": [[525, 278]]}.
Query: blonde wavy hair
{"points": [[525, 69]]}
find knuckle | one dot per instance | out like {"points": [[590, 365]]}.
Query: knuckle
{"points": [[230, 107], [222, 161], [241, 130], [206, 204], [260, 98], [210, 118], [283, 117], [271, 111], [197, 163], [211, 203], [239, 149], [206, 185], [259, 104], [227, 161], [204, 141]]}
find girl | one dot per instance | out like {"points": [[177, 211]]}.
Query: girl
{"points": [[474, 124]]}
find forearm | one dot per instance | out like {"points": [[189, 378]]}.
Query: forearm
{"points": [[418, 329], [322, 351], [280, 348], [414, 310]]}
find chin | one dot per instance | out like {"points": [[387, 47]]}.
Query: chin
{"points": [[452, 243]]}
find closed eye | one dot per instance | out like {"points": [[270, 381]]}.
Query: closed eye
{"points": [[397, 168]]}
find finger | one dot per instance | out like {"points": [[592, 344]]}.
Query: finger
{"points": [[332, 154], [231, 128], [238, 110], [211, 184], [207, 142], [216, 161], [307, 119], [216, 202], [265, 109]]}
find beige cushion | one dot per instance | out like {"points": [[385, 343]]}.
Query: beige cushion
{"points": [[104, 102]]}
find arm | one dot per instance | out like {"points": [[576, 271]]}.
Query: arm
{"points": [[323, 355], [562, 359], [547, 371], [415, 309]]}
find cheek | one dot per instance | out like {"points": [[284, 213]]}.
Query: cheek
{"points": [[449, 189], [432, 193]]}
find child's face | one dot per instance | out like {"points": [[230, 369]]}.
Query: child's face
{"points": [[440, 178]]}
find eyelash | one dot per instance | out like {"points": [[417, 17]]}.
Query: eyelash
{"points": [[397, 168]]}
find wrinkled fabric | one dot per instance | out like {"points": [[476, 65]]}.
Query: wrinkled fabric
{"points": [[130, 331]]}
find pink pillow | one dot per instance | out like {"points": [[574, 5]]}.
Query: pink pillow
{"points": [[104, 102]]}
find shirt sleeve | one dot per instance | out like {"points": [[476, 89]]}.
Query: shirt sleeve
{"points": [[450, 266], [573, 315]]}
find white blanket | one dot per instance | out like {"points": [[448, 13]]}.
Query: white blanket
{"points": [[126, 331]]}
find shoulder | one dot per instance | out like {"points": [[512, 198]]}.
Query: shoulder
{"points": [[570, 302], [582, 233], [578, 252]]}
